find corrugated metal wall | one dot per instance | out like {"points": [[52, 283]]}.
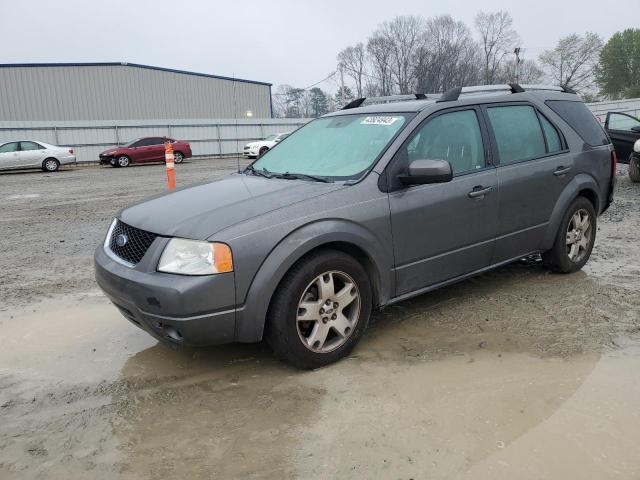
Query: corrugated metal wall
{"points": [[207, 137], [630, 106], [115, 91]]}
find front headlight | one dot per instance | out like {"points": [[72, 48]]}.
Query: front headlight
{"points": [[192, 257]]}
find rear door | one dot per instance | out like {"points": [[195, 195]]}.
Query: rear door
{"points": [[620, 127], [533, 167], [31, 154], [9, 155], [442, 231]]}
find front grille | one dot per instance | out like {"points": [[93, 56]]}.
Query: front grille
{"points": [[136, 245]]}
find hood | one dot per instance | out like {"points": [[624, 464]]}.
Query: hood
{"points": [[254, 144], [110, 151], [199, 211]]}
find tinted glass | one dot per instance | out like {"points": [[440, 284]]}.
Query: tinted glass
{"points": [[518, 133], [9, 147], [451, 136], [619, 121], [30, 146], [553, 137], [341, 147], [580, 118], [155, 141]]}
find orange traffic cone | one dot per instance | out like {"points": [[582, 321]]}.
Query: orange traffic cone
{"points": [[171, 172]]}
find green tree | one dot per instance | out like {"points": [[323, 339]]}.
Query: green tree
{"points": [[618, 71], [343, 96], [319, 102]]}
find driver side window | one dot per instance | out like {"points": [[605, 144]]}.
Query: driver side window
{"points": [[454, 137]]}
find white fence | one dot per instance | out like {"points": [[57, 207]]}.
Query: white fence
{"points": [[207, 137]]}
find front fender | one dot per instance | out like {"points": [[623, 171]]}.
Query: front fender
{"points": [[250, 317], [579, 183]]}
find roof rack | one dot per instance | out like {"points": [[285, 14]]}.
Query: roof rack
{"points": [[453, 94], [358, 102]]}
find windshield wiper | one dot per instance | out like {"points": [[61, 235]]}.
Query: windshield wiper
{"points": [[263, 173], [298, 176]]}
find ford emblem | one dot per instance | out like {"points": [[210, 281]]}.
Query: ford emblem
{"points": [[121, 240]]}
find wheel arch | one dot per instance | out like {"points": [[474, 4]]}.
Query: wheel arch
{"points": [[344, 236], [581, 185]]}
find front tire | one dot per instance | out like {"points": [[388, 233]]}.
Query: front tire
{"points": [[634, 168], [262, 151], [123, 161], [574, 240], [50, 165], [320, 310]]}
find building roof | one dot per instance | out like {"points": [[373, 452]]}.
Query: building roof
{"points": [[136, 65]]}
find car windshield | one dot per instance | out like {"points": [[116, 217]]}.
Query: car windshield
{"points": [[341, 147], [270, 137]]}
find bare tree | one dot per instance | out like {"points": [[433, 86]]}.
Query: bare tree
{"points": [[497, 38], [448, 56], [379, 52], [572, 62], [352, 62], [527, 71], [403, 35]]}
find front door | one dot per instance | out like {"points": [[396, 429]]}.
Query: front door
{"points": [[9, 155], [443, 231], [624, 130]]}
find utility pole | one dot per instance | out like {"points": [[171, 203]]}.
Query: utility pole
{"points": [[516, 51]]}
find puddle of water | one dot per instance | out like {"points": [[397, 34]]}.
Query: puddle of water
{"points": [[457, 382]]}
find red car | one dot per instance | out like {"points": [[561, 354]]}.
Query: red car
{"points": [[144, 150]]}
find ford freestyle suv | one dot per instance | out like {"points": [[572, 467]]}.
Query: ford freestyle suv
{"points": [[144, 150], [359, 209]]}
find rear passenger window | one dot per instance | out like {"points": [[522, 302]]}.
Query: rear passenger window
{"points": [[553, 137], [580, 118], [517, 131]]}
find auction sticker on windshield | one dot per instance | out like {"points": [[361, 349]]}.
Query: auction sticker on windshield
{"points": [[379, 120]]}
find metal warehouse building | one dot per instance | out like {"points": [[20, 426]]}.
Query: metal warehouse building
{"points": [[124, 91]]}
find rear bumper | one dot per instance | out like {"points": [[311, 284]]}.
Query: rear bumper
{"points": [[175, 309], [68, 160]]}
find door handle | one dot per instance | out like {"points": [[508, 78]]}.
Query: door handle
{"points": [[561, 171], [480, 191]]}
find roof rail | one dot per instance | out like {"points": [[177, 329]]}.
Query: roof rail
{"points": [[453, 94], [358, 102]]}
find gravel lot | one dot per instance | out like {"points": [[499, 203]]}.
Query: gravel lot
{"points": [[517, 373]]}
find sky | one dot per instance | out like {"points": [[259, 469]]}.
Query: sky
{"points": [[278, 41]]}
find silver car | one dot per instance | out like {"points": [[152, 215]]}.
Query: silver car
{"points": [[28, 154]]}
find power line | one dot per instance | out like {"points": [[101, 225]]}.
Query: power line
{"points": [[331, 75]]}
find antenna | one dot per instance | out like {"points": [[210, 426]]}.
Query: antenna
{"points": [[235, 114]]}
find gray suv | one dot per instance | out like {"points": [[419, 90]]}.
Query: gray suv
{"points": [[362, 208]]}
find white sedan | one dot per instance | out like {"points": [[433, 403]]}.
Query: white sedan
{"points": [[28, 154], [256, 149]]}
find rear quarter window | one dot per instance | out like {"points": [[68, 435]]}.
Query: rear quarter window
{"points": [[580, 118]]}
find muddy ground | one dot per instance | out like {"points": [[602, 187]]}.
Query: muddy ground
{"points": [[515, 374]]}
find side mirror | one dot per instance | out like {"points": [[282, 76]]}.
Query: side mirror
{"points": [[635, 129], [422, 172]]}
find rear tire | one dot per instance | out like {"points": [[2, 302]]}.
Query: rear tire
{"points": [[320, 310], [178, 157], [50, 165], [634, 168], [574, 240]]}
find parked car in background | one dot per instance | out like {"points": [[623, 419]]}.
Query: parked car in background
{"points": [[259, 148], [389, 201], [624, 130], [144, 150], [27, 154]]}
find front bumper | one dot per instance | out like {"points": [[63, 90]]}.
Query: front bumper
{"points": [[106, 159], [175, 309]]}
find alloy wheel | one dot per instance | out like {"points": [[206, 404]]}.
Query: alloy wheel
{"points": [[328, 311], [123, 161], [579, 234]]}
